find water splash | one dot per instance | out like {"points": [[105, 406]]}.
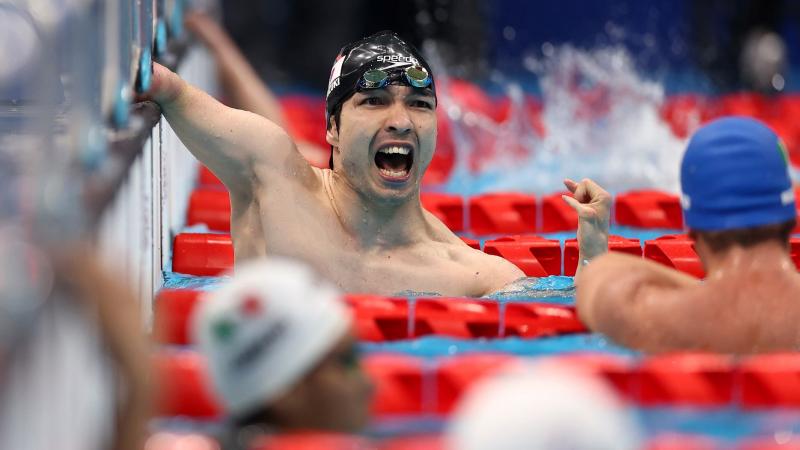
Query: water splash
{"points": [[599, 118], [555, 289]]}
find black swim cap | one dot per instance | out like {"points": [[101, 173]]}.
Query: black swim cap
{"points": [[383, 50]]}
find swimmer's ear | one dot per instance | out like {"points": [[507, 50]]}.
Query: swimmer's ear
{"points": [[332, 135]]}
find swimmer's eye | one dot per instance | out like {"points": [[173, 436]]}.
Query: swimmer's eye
{"points": [[372, 101], [422, 104]]}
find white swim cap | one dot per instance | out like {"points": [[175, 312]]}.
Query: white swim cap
{"points": [[542, 406], [262, 331]]}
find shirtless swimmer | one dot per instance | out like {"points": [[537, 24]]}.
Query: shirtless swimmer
{"points": [[359, 223]]}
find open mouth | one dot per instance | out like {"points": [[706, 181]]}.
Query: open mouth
{"points": [[394, 162]]}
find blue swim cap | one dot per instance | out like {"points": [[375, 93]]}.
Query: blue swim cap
{"points": [[735, 174]]}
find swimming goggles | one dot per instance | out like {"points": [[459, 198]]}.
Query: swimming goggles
{"points": [[415, 76]]}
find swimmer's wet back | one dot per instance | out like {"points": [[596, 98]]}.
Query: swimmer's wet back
{"points": [[372, 63]]}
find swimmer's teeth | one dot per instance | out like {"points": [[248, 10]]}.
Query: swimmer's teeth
{"points": [[393, 150], [394, 173]]}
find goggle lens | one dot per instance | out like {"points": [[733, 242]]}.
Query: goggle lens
{"points": [[373, 79], [415, 76]]}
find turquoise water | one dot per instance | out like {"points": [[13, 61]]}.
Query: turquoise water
{"points": [[724, 425], [437, 346]]}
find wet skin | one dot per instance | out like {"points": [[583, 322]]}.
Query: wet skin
{"points": [[361, 227], [335, 395], [748, 303]]}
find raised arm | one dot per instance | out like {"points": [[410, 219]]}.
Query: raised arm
{"points": [[637, 303], [593, 205], [243, 86], [239, 80], [240, 147]]}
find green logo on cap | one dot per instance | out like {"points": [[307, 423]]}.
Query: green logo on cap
{"points": [[223, 330], [784, 151]]}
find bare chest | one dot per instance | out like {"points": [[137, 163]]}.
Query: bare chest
{"points": [[403, 271], [305, 227]]}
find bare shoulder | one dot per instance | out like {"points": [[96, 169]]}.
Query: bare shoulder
{"points": [[492, 272], [637, 302]]}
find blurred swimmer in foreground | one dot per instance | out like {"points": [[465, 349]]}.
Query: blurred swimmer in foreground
{"points": [[543, 405], [282, 358], [739, 206], [74, 363], [243, 87], [360, 222]]}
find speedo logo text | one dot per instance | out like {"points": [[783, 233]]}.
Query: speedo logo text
{"points": [[397, 58]]}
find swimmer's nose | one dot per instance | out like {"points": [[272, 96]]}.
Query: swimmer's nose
{"points": [[399, 121]]}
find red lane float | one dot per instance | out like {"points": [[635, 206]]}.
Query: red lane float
{"points": [[383, 319], [615, 244], [794, 251], [535, 320], [534, 255], [211, 207], [684, 113], [184, 388], [305, 118], [675, 441], [502, 213], [404, 383], [797, 199], [616, 370], [455, 375], [557, 215], [447, 208], [676, 252], [474, 243], [769, 381], [398, 383], [172, 315], [686, 379], [312, 441], [648, 209], [750, 104], [379, 319], [432, 442], [203, 254], [456, 317], [207, 179]]}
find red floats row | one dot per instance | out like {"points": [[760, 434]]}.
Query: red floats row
{"points": [[332, 441], [212, 254], [406, 385], [685, 113], [380, 319], [489, 214]]}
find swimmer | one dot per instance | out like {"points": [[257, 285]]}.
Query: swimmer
{"points": [[360, 222], [739, 207], [544, 405], [242, 85], [280, 351]]}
